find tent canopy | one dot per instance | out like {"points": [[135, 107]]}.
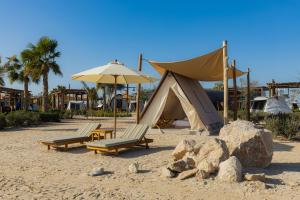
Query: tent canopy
{"points": [[207, 67], [178, 97]]}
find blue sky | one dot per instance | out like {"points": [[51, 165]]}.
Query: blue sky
{"points": [[263, 35]]}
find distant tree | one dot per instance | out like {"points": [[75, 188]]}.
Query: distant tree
{"points": [[45, 55], [2, 83], [18, 70], [91, 93], [146, 94], [218, 86]]}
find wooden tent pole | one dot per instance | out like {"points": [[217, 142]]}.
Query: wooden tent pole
{"points": [[235, 103], [248, 94], [225, 82], [138, 92]]}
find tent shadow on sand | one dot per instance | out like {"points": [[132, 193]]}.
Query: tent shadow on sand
{"points": [[280, 146]]}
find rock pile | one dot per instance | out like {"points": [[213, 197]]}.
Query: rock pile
{"points": [[240, 145]]}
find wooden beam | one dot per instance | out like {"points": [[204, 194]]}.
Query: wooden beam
{"points": [[225, 82], [138, 91], [248, 94], [235, 100]]}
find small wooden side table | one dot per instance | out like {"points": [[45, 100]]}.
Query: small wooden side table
{"points": [[101, 134]]}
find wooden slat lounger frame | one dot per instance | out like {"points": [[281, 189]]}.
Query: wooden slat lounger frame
{"points": [[83, 136], [133, 136], [115, 149]]}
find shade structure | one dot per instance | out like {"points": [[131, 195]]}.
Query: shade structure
{"points": [[106, 73], [113, 73], [208, 67]]}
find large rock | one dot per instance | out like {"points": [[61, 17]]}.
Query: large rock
{"points": [[165, 172], [178, 166], [252, 146], [211, 154], [190, 159], [230, 170], [187, 174], [182, 148]]}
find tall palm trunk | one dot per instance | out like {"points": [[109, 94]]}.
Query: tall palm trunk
{"points": [[104, 98], [45, 91], [26, 93]]}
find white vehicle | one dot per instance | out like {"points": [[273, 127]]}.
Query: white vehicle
{"points": [[76, 105], [272, 105]]}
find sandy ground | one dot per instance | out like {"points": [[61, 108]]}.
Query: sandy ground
{"points": [[29, 171]]}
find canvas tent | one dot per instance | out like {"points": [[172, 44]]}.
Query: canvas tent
{"points": [[178, 97], [271, 105]]}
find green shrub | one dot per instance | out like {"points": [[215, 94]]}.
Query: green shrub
{"points": [[22, 118], [286, 125], [68, 114], [2, 121], [15, 118], [50, 117]]}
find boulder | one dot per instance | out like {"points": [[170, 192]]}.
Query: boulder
{"points": [[252, 146], [182, 148], [255, 177], [165, 172], [134, 167], [190, 158], [200, 175], [178, 166], [187, 174], [206, 167], [96, 171], [211, 154], [230, 170]]}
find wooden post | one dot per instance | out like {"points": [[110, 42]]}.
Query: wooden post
{"points": [[235, 100], [138, 92], [225, 82], [248, 94], [115, 106], [273, 93], [127, 99]]}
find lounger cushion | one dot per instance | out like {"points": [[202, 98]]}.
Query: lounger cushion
{"points": [[66, 138], [112, 142]]}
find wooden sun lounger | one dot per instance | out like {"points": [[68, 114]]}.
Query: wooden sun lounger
{"points": [[134, 135], [81, 135]]}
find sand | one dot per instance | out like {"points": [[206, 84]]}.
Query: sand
{"points": [[29, 171]]}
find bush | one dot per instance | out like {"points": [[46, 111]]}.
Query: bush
{"points": [[22, 118], [286, 125], [2, 121], [68, 114], [50, 117]]}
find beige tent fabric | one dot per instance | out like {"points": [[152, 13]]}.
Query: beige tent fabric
{"points": [[208, 67], [178, 97]]}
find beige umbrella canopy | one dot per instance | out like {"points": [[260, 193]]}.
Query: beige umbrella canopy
{"points": [[113, 73]]}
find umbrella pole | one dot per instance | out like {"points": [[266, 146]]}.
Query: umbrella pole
{"points": [[115, 107]]}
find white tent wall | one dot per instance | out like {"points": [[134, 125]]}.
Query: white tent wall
{"points": [[194, 101]]}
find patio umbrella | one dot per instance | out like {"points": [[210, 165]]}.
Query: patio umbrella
{"points": [[113, 73]]}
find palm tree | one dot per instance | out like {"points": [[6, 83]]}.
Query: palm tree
{"points": [[45, 55], [2, 83], [18, 71], [91, 93]]}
